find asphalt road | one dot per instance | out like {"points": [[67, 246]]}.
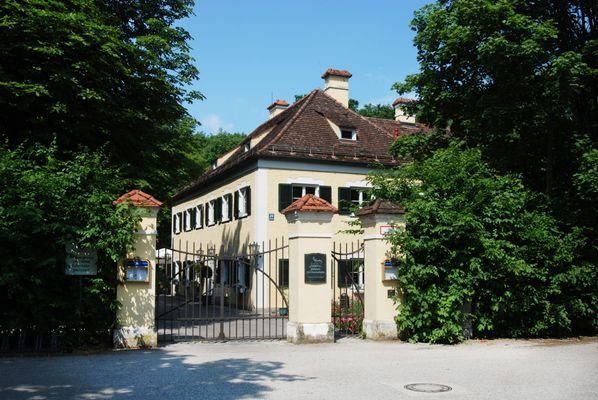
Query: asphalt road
{"points": [[350, 369]]}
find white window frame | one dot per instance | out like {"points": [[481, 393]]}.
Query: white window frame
{"points": [[187, 220], [242, 202], [304, 187], [199, 216], [177, 223], [225, 209], [353, 134], [211, 212]]}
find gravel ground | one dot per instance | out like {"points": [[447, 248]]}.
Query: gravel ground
{"points": [[349, 369]]}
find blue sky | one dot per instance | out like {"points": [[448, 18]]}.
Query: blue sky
{"points": [[250, 53]]}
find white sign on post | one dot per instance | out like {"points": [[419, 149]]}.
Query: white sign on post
{"points": [[81, 260]]}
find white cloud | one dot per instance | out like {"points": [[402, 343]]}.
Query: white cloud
{"points": [[213, 123]]}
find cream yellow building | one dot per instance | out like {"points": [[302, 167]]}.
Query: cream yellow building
{"points": [[316, 146]]}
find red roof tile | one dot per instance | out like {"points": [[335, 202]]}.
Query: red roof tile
{"points": [[336, 72], [381, 206], [138, 199], [310, 203]]}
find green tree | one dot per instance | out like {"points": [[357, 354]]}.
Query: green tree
{"points": [[383, 111], [46, 204], [479, 247], [515, 77], [110, 75]]}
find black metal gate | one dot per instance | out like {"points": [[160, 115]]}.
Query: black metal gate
{"points": [[348, 289], [202, 295]]}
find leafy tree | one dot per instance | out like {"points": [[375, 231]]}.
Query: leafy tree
{"points": [[91, 105], [109, 75], [479, 247], [518, 79], [383, 111], [46, 204]]}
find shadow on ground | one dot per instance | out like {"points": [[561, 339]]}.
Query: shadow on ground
{"points": [[157, 374]]}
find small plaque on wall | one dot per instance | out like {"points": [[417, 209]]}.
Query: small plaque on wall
{"points": [[137, 270], [315, 268]]}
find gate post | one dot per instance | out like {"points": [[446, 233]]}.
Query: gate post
{"points": [[137, 279], [310, 246], [379, 272]]}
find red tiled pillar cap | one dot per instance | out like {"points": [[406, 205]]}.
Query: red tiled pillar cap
{"points": [[138, 198]]}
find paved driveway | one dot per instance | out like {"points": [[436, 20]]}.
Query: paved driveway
{"points": [[350, 369]]}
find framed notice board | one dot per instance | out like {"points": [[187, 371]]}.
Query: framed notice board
{"points": [[315, 268], [137, 270]]}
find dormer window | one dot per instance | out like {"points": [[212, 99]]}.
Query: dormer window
{"points": [[215, 164], [246, 147], [348, 134]]}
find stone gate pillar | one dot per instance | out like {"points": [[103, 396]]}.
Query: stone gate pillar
{"points": [[137, 279], [379, 272], [310, 246]]}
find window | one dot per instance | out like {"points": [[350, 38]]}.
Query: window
{"points": [[348, 134], [199, 217], [288, 193], [226, 205], [350, 199], [176, 223], [246, 147], [350, 273], [211, 213], [283, 272], [242, 204], [189, 216]]}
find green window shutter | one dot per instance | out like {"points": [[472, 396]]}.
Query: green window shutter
{"points": [[326, 193], [236, 205], [344, 201], [229, 206], [193, 218], [206, 213], [285, 195], [248, 199], [218, 209]]}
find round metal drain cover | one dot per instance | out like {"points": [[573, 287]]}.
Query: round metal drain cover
{"points": [[427, 387]]}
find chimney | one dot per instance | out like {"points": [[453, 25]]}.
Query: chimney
{"points": [[277, 107], [336, 85], [400, 114]]}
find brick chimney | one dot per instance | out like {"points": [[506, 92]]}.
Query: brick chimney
{"points": [[336, 85], [277, 107], [400, 114]]}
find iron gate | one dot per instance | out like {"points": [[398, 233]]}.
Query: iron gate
{"points": [[208, 296], [347, 288]]}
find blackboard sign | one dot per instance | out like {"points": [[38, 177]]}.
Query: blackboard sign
{"points": [[315, 268]]}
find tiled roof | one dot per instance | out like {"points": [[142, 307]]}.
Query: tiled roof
{"points": [[138, 198], [310, 203], [336, 72], [381, 206], [402, 100], [303, 132]]}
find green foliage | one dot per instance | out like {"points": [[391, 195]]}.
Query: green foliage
{"points": [[45, 204], [100, 75], [92, 97], [383, 111], [479, 247], [515, 78]]}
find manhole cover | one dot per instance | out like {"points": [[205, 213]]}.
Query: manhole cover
{"points": [[427, 387]]}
